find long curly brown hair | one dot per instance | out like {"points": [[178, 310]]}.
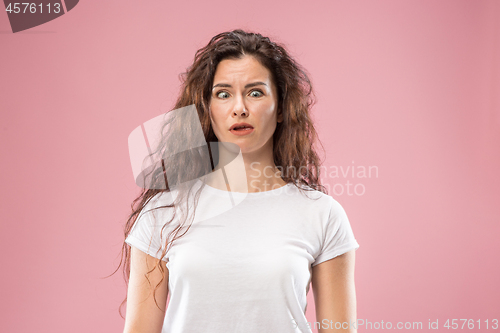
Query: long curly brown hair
{"points": [[294, 138]]}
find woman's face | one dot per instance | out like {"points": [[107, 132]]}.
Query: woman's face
{"points": [[243, 91]]}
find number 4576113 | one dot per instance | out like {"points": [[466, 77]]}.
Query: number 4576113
{"points": [[471, 324], [32, 8]]}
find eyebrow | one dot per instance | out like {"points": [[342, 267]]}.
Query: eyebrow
{"points": [[250, 85]]}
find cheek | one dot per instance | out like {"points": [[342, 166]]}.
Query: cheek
{"points": [[270, 111], [211, 113], [214, 119], [269, 107]]}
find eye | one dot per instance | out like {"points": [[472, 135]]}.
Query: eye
{"points": [[259, 93], [222, 94]]}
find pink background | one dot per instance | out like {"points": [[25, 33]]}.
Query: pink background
{"points": [[411, 87]]}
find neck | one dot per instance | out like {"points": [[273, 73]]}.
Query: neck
{"points": [[246, 172]]}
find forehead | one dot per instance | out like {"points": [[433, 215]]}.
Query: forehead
{"points": [[245, 69]]}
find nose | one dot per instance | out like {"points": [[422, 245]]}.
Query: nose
{"points": [[239, 108]]}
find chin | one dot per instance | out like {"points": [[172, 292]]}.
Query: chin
{"points": [[244, 149]]}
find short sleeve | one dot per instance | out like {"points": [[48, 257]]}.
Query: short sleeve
{"points": [[146, 232], [338, 236]]}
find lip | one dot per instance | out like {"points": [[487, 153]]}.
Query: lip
{"points": [[242, 132], [240, 124]]}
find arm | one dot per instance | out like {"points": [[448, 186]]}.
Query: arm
{"points": [[334, 293], [142, 313]]}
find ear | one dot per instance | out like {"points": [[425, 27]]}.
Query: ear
{"points": [[280, 116]]}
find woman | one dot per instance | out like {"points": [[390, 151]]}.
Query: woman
{"points": [[264, 227]]}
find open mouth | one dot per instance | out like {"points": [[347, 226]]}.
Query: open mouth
{"points": [[241, 128]]}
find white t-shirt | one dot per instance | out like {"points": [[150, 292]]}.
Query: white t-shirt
{"points": [[246, 268]]}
